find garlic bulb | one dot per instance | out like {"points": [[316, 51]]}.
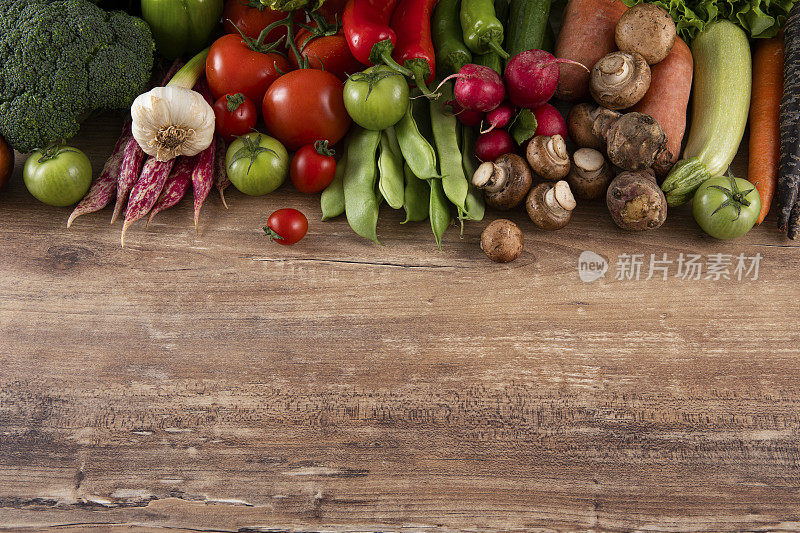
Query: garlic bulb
{"points": [[172, 121]]}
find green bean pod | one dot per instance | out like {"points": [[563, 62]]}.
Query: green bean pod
{"points": [[390, 171], [417, 197], [360, 201], [439, 210], [448, 41], [475, 204], [445, 134], [332, 199], [417, 151]]}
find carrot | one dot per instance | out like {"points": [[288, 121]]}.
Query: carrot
{"points": [[175, 187], [667, 99], [221, 180], [587, 34], [129, 173], [105, 186], [789, 163], [146, 191], [762, 168]]}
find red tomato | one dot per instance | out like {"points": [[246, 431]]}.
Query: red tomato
{"points": [[235, 116], [232, 67], [286, 226], [332, 9], [313, 167], [327, 52], [251, 16], [306, 106]]}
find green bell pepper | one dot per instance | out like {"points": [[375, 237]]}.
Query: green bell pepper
{"points": [[181, 27]]}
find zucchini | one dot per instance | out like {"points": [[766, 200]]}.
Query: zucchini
{"points": [[492, 60], [721, 103], [527, 25]]}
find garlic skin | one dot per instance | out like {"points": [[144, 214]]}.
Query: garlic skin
{"points": [[168, 122]]}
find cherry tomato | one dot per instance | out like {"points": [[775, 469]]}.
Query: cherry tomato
{"points": [[235, 115], [327, 52], [286, 226], [233, 67], [313, 167], [251, 16], [306, 106]]}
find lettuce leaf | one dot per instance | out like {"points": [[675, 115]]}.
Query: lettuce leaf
{"points": [[758, 18]]}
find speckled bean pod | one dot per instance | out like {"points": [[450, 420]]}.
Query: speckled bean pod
{"points": [[175, 187], [146, 191], [128, 175], [203, 177], [222, 182]]}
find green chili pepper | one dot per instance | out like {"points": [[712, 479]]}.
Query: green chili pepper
{"points": [[439, 210], [417, 197], [445, 134], [417, 151], [360, 201], [483, 31], [448, 41], [390, 170], [332, 200]]}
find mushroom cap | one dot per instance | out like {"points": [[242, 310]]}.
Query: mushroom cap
{"points": [[550, 205], [502, 241], [647, 30], [518, 183], [548, 157], [590, 174], [619, 80], [579, 126]]}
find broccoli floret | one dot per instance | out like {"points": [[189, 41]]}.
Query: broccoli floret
{"points": [[61, 60]]}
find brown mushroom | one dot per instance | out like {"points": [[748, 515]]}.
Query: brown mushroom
{"points": [[647, 30], [548, 157], [550, 205], [502, 241], [505, 181], [579, 126], [590, 174], [619, 80]]}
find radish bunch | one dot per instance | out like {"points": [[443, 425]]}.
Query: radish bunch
{"points": [[483, 97]]}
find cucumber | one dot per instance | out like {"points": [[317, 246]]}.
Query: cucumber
{"points": [[527, 25], [492, 60]]}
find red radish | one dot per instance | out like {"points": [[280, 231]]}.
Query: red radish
{"points": [[550, 122], [532, 77], [477, 88], [131, 164], [105, 186], [500, 117], [492, 145], [468, 117], [203, 178], [146, 191], [175, 187], [221, 179]]}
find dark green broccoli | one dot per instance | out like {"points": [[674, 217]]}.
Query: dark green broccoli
{"points": [[61, 60]]}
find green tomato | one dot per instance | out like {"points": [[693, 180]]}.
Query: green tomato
{"points": [[181, 27], [377, 98], [257, 164], [58, 176], [726, 207]]}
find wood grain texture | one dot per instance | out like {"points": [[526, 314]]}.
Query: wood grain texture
{"points": [[218, 382]]}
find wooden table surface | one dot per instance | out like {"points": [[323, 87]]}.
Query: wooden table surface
{"points": [[219, 382]]}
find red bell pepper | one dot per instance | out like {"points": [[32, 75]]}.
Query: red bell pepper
{"points": [[412, 23], [366, 27]]}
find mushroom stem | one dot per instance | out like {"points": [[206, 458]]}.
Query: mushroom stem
{"points": [[559, 198], [490, 177], [556, 147], [616, 69], [588, 161]]}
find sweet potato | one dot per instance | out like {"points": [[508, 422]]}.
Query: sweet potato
{"points": [[667, 98], [587, 34]]}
